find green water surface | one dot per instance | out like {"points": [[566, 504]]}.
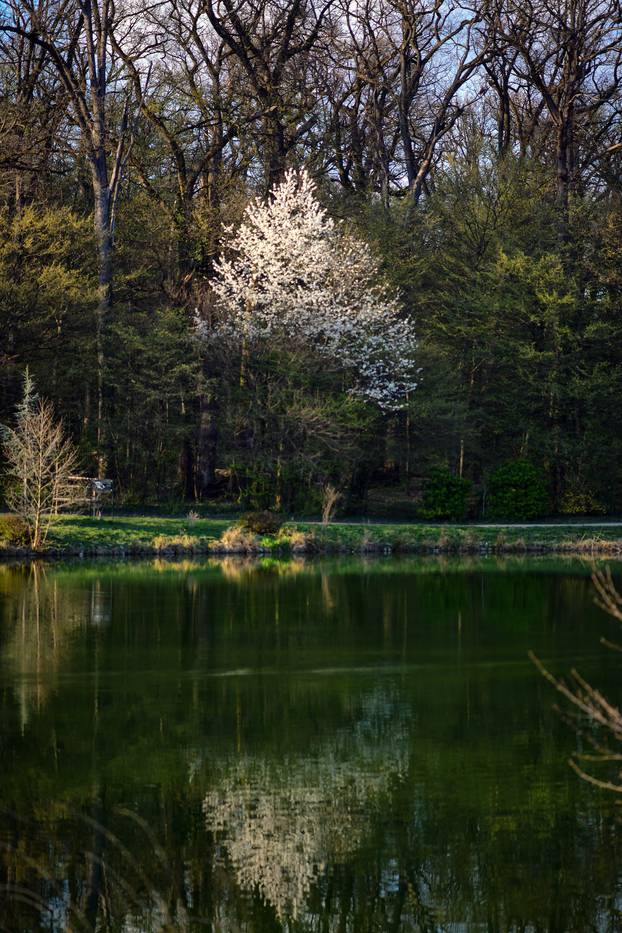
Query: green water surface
{"points": [[300, 746]]}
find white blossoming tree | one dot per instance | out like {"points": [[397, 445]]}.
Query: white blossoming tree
{"points": [[294, 278]]}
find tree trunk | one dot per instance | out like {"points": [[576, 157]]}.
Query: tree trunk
{"points": [[186, 470], [276, 149], [416, 190], [409, 85], [103, 236], [563, 178], [207, 441], [212, 196]]}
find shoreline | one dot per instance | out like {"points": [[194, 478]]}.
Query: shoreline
{"points": [[79, 537]]}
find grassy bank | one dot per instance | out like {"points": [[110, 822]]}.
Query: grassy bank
{"points": [[127, 536]]}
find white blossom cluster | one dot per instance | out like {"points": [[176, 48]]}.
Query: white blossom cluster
{"points": [[296, 278]]}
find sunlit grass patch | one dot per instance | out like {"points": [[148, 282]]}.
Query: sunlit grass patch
{"points": [[135, 531]]}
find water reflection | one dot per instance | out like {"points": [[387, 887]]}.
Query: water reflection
{"points": [[280, 824], [350, 746], [40, 621]]}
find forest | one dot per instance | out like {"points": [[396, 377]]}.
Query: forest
{"points": [[252, 250]]}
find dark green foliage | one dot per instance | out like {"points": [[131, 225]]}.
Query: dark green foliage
{"points": [[517, 491], [519, 344], [445, 496], [13, 530], [289, 426], [261, 523], [153, 376]]}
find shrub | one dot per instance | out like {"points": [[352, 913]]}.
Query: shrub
{"points": [[445, 496], [261, 523], [303, 542], [580, 502], [403, 543], [174, 543], [444, 541], [368, 542], [517, 492], [14, 530], [237, 540], [299, 542], [471, 542]]}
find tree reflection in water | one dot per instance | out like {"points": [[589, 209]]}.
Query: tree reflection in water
{"points": [[40, 622], [280, 825], [313, 748]]}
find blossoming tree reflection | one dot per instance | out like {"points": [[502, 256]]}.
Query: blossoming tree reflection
{"points": [[280, 823]]}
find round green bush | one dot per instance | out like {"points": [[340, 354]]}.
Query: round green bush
{"points": [[445, 496], [261, 523], [14, 531], [517, 491]]}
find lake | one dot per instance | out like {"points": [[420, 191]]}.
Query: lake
{"points": [[347, 745]]}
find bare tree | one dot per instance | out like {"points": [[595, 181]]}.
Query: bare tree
{"points": [[330, 500], [269, 37], [570, 52], [40, 461], [409, 72], [34, 106], [182, 78], [76, 36]]}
